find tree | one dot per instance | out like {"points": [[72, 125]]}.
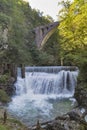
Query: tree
{"points": [[72, 30]]}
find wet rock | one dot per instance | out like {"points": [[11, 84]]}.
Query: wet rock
{"points": [[55, 126], [8, 87], [63, 125], [81, 96], [73, 115], [0, 103], [10, 90], [64, 117], [72, 120], [85, 118]]}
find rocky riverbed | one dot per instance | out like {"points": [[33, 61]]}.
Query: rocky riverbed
{"points": [[76, 119], [73, 120]]}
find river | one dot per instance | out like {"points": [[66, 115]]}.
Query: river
{"points": [[43, 94]]}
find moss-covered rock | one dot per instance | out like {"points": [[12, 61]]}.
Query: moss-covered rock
{"points": [[4, 97], [7, 88], [81, 91]]}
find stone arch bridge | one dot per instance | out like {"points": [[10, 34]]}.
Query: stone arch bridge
{"points": [[42, 33]]}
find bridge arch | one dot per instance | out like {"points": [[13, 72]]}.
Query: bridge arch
{"points": [[42, 33]]}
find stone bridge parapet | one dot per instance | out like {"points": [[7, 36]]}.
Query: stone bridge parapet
{"points": [[42, 33]]}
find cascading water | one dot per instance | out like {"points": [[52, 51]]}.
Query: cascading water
{"points": [[39, 92]]}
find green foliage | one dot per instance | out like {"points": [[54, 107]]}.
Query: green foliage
{"points": [[20, 20], [4, 78], [4, 97], [46, 59], [52, 48], [73, 35], [2, 127], [4, 20]]}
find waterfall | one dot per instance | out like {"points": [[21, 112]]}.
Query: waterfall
{"points": [[43, 94], [58, 81]]}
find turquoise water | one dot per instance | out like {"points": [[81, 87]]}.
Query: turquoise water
{"points": [[29, 111]]}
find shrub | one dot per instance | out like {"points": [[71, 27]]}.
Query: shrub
{"points": [[4, 78]]}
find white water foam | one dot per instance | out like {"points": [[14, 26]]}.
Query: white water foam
{"points": [[36, 89]]}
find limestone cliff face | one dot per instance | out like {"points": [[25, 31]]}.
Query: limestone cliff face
{"points": [[3, 38]]}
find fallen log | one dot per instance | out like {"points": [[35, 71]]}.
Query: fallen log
{"points": [[41, 124]]}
